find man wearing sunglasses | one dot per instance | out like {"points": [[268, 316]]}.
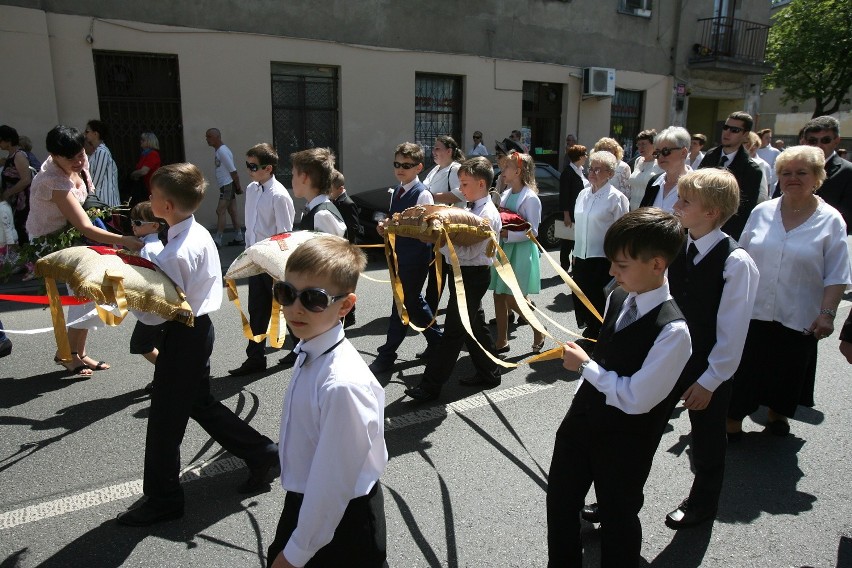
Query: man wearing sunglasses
{"points": [[269, 211], [836, 190], [731, 155]]}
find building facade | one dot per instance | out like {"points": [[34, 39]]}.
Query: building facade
{"points": [[362, 77]]}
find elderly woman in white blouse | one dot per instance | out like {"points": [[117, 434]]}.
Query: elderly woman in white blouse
{"points": [[597, 208], [621, 178], [671, 150], [644, 168], [799, 245]]}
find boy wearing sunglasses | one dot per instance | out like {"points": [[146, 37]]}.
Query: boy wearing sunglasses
{"points": [[182, 372], [145, 339], [332, 450], [269, 211], [413, 256]]}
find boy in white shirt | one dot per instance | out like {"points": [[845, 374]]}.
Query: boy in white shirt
{"points": [[332, 445]]}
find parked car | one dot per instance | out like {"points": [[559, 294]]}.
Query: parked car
{"points": [[374, 206]]}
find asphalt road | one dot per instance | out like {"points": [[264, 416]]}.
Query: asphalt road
{"points": [[466, 481]]}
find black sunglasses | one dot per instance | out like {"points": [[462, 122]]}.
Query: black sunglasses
{"points": [[664, 152], [734, 129], [313, 299], [140, 222], [404, 165], [813, 141], [254, 167]]}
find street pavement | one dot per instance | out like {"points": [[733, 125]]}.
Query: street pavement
{"points": [[467, 476]]}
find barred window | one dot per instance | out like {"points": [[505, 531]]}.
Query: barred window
{"points": [[437, 110]]}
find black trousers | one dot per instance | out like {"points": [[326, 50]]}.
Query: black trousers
{"points": [[433, 294], [360, 538], [591, 275], [709, 443], [618, 463], [412, 278], [182, 391], [438, 369], [565, 250], [259, 311]]}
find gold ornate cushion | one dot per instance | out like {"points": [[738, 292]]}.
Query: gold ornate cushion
{"points": [[270, 255], [428, 222], [109, 276]]}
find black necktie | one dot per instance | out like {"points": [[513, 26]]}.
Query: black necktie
{"points": [[691, 253], [723, 161], [305, 211]]}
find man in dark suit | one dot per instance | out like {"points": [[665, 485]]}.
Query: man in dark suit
{"points": [[732, 156], [836, 190]]}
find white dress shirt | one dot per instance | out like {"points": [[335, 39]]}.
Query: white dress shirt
{"points": [[763, 191], [325, 221], [667, 202], [474, 255], [151, 247], [769, 154], [696, 162], [191, 260], [269, 210], [332, 443], [529, 207], [593, 215], [442, 180], [425, 197], [648, 386], [478, 150], [741, 283], [795, 266]]}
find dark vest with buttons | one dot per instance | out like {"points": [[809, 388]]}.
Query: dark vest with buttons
{"points": [[408, 250], [307, 222], [698, 292], [624, 352]]}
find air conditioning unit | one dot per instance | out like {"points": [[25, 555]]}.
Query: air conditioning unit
{"points": [[598, 82]]}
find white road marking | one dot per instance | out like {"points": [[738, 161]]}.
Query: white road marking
{"points": [[71, 503]]}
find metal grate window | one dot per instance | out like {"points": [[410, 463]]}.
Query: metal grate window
{"points": [[139, 92], [626, 119], [305, 111], [437, 110]]}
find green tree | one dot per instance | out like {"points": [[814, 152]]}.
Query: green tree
{"points": [[810, 44]]}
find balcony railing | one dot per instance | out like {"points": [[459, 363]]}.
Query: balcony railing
{"points": [[730, 40]]}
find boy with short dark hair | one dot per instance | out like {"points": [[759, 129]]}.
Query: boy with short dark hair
{"points": [[617, 416], [269, 211], [312, 170], [413, 259], [475, 177], [182, 372], [332, 448], [714, 282]]}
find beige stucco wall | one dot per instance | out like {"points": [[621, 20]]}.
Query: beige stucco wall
{"points": [[225, 82]]}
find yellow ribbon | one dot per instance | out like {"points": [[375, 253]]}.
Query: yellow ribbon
{"points": [[275, 331], [113, 290], [58, 317]]}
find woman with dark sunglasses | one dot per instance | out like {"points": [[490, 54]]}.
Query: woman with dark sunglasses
{"points": [[671, 149]]}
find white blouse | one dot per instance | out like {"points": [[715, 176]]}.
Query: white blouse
{"points": [[593, 215], [795, 266], [529, 207], [442, 180], [639, 180]]}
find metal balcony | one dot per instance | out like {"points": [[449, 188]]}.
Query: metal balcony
{"points": [[731, 45]]}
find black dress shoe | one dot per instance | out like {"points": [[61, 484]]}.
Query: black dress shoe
{"points": [[288, 360], [778, 427], [590, 513], [260, 478], [420, 394], [148, 514], [480, 379], [5, 347], [380, 366], [248, 367], [686, 516]]}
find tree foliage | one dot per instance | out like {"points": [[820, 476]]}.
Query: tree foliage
{"points": [[810, 44]]}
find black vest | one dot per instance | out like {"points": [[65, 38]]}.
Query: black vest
{"points": [[408, 250], [307, 222], [624, 352], [698, 292]]}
